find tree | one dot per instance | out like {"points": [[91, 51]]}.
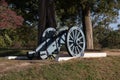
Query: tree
{"points": [[46, 17], [112, 40], [105, 9], [9, 18], [28, 9], [100, 33], [99, 12], [87, 24]]}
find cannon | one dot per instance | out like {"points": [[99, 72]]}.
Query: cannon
{"points": [[52, 40]]}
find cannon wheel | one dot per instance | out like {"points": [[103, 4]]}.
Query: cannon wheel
{"points": [[48, 33], [75, 42]]}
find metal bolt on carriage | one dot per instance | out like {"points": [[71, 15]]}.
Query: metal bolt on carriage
{"points": [[52, 40]]}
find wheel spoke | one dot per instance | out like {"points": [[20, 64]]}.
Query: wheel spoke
{"points": [[80, 38], [78, 34], [80, 46], [71, 46], [75, 37], [70, 40], [71, 37], [77, 49], [76, 52], [81, 42], [73, 49]]}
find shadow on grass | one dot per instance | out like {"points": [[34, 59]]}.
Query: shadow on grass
{"points": [[12, 52]]}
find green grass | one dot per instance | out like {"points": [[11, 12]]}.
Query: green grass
{"points": [[79, 69]]}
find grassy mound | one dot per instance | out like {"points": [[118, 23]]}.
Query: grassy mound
{"points": [[79, 69]]}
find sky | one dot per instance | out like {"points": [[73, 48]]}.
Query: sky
{"points": [[114, 25]]}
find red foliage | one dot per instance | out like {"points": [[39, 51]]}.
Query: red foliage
{"points": [[3, 3], [9, 18]]}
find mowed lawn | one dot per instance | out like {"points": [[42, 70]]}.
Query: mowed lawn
{"points": [[77, 69]]}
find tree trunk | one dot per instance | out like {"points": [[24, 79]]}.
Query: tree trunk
{"points": [[47, 17], [87, 27]]}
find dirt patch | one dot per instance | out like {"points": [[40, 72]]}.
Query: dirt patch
{"points": [[6, 66], [17, 65], [13, 67]]}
